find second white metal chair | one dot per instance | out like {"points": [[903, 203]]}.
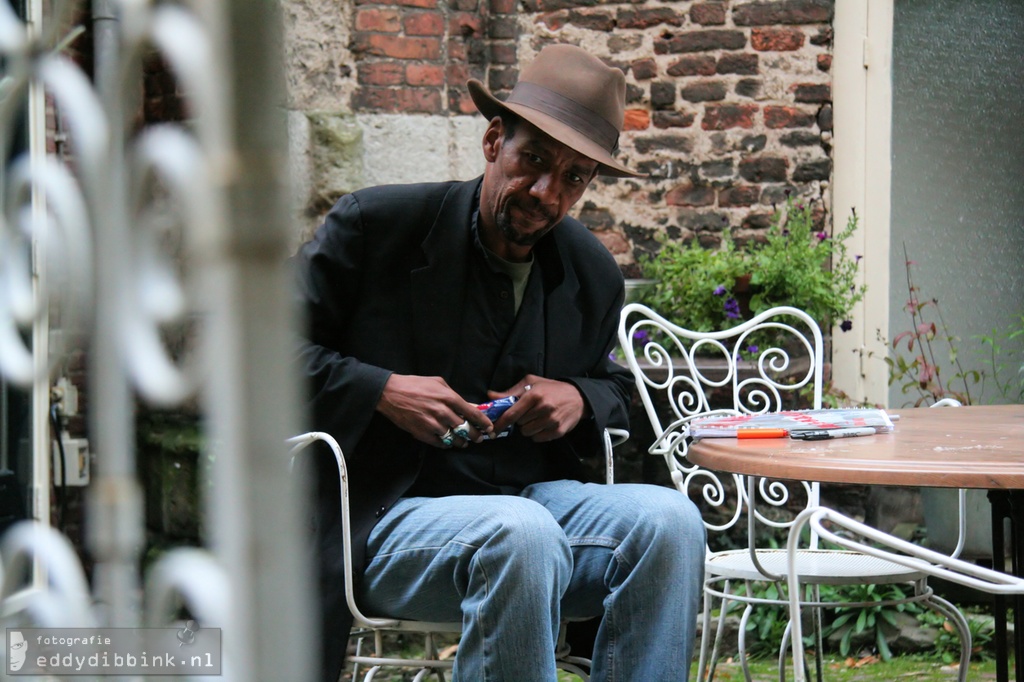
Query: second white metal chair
{"points": [[769, 363], [885, 547]]}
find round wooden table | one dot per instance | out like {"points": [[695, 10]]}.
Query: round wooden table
{"points": [[966, 447]]}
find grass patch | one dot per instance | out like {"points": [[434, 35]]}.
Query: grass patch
{"points": [[868, 669]]}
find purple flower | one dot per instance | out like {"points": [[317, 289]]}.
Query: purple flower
{"points": [[822, 236], [857, 258], [847, 325], [640, 336], [751, 349], [732, 309], [719, 290], [785, 232]]}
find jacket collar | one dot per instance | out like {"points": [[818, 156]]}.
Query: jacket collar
{"points": [[439, 293]]}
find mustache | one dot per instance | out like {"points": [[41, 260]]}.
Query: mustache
{"points": [[531, 205]]}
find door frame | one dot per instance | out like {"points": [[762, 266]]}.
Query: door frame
{"points": [[862, 153]]}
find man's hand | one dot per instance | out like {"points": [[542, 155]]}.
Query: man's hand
{"points": [[428, 408], [545, 410]]}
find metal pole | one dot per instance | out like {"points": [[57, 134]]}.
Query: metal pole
{"points": [[115, 502], [41, 474], [252, 390], [105, 45]]}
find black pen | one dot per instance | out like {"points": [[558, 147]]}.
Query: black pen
{"points": [[828, 434]]}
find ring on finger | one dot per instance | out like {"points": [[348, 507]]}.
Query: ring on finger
{"points": [[447, 438], [461, 431]]}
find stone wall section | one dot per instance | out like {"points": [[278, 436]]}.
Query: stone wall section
{"points": [[728, 110], [728, 103]]}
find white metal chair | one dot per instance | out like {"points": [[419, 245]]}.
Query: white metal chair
{"points": [[825, 522], [366, 626], [762, 365]]}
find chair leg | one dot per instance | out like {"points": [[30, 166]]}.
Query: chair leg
{"points": [[783, 648], [429, 650], [943, 607], [359, 652], [705, 639], [719, 633], [819, 644], [742, 639], [706, 666], [574, 669], [813, 595]]}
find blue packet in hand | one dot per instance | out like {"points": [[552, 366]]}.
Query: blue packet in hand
{"points": [[493, 410]]}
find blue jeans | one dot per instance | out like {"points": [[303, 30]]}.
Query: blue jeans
{"points": [[511, 568]]}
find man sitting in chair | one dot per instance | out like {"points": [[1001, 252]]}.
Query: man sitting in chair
{"points": [[422, 302]]}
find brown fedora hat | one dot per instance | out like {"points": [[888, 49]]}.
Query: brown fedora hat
{"points": [[572, 96]]}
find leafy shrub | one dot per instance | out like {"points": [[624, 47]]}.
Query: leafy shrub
{"points": [[797, 265]]}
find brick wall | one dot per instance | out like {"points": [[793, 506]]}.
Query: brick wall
{"points": [[729, 103], [414, 56], [728, 109]]}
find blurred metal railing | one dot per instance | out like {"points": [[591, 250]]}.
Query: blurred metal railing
{"points": [[88, 238]]}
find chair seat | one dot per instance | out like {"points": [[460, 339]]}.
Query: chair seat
{"points": [[413, 626], [814, 566]]}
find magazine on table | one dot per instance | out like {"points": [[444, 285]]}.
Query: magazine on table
{"points": [[793, 422]]}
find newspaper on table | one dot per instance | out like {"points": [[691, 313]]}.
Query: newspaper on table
{"points": [[792, 420]]}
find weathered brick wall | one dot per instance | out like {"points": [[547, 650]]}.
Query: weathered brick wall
{"points": [[728, 110], [729, 103]]}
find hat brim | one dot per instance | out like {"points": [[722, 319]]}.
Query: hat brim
{"points": [[490, 106]]}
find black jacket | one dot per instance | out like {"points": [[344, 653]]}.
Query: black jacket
{"points": [[380, 285]]}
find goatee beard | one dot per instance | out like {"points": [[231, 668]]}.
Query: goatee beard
{"points": [[508, 230]]}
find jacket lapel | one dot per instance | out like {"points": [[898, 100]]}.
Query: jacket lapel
{"points": [[438, 288], [561, 314]]}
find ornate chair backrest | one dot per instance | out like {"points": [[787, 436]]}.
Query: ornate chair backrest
{"points": [[769, 363]]}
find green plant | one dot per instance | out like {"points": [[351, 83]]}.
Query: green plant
{"points": [[769, 624], [922, 354], [921, 373], [947, 641], [802, 266], [797, 264], [766, 623], [854, 620], [690, 283], [995, 353]]}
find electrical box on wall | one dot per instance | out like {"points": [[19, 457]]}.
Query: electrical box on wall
{"points": [[66, 393], [76, 461]]}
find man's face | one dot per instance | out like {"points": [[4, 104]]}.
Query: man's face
{"points": [[18, 650], [530, 183]]}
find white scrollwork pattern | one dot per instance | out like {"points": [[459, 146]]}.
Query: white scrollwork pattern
{"points": [[758, 366], [128, 229]]}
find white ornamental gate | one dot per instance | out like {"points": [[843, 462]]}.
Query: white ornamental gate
{"points": [[88, 239]]}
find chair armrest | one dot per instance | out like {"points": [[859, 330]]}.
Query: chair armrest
{"points": [[298, 444], [617, 436], [612, 438]]}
